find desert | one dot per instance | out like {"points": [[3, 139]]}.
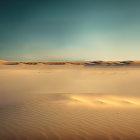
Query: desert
{"points": [[70, 100]]}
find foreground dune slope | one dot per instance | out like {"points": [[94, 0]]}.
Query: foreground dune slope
{"points": [[72, 101]]}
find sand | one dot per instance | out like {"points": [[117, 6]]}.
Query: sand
{"points": [[70, 100]]}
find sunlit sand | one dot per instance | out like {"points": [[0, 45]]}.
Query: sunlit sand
{"points": [[69, 100]]}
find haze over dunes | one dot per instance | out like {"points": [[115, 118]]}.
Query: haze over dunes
{"points": [[69, 69], [83, 63], [69, 100]]}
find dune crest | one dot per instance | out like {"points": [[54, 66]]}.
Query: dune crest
{"points": [[81, 63]]}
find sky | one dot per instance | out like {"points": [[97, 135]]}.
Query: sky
{"points": [[69, 30]]}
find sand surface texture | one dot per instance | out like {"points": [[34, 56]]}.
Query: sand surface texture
{"points": [[93, 100]]}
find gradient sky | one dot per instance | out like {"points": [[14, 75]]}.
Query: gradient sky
{"points": [[76, 30]]}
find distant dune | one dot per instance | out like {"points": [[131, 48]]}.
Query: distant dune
{"points": [[3, 62], [82, 63]]}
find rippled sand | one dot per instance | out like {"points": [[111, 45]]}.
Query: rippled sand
{"points": [[69, 102]]}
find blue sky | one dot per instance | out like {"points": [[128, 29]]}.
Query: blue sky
{"points": [[76, 30]]}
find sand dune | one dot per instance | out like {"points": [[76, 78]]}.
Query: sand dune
{"points": [[84, 63], [69, 101], [54, 119], [2, 62]]}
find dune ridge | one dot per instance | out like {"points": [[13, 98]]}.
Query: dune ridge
{"points": [[82, 63]]}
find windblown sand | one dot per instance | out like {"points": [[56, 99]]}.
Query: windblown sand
{"points": [[69, 102]]}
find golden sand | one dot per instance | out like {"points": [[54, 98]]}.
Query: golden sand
{"points": [[69, 101]]}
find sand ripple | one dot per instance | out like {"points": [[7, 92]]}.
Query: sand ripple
{"points": [[71, 117]]}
